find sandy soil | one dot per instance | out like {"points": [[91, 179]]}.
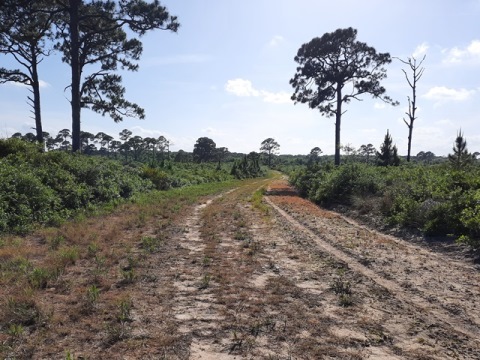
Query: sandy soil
{"points": [[288, 280]]}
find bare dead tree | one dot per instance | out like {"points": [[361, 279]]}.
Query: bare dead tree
{"points": [[417, 72]]}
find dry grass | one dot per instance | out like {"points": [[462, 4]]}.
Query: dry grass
{"points": [[180, 279]]}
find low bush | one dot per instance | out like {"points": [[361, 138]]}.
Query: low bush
{"points": [[435, 199]]}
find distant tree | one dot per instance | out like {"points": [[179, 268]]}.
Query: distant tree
{"points": [[388, 154], [269, 147], [349, 150], [417, 72], [163, 146], [62, 138], [85, 138], [204, 150], [137, 145], [331, 62], [314, 156], [30, 137], [460, 158], [17, 135], [182, 156], [115, 146], [367, 151], [220, 154], [104, 140], [125, 134], [151, 144], [23, 35], [425, 156]]}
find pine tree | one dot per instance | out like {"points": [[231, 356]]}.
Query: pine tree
{"points": [[388, 155], [460, 158]]}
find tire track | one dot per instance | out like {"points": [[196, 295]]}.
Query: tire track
{"points": [[394, 288]]}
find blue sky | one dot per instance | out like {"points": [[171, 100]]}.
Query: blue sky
{"points": [[225, 75]]}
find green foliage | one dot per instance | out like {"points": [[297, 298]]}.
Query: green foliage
{"points": [[388, 154], [43, 188], [248, 167], [460, 158], [435, 199], [40, 188]]}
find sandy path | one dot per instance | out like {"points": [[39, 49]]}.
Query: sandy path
{"points": [[270, 290], [394, 287]]}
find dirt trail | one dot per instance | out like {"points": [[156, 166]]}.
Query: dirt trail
{"points": [[318, 285], [423, 302], [236, 278]]}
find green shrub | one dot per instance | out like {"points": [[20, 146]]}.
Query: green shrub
{"points": [[436, 199]]}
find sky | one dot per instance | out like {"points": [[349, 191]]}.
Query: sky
{"points": [[225, 75]]}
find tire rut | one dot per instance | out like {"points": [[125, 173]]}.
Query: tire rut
{"points": [[394, 288]]}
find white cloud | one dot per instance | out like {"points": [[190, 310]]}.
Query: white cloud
{"points": [[420, 50], [277, 40], [442, 93], [43, 84], [470, 53], [241, 87], [244, 88], [378, 105]]}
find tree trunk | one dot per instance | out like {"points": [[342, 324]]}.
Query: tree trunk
{"points": [[410, 131], [36, 100], [338, 118], [76, 73]]}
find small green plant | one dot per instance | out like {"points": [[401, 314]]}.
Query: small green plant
{"points": [[93, 293], [92, 249], [205, 282], [68, 255], [150, 244], [69, 356], [343, 289], [56, 242], [38, 278], [240, 235], [15, 330], [206, 261], [128, 275], [125, 307]]}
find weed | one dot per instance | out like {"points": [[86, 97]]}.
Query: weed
{"points": [[206, 261], [15, 330], [343, 289], [345, 300], [125, 307], [56, 242], [38, 278], [205, 282], [92, 249], [69, 356], [93, 293], [128, 275], [68, 255], [240, 235], [257, 202], [22, 311], [150, 244]]}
